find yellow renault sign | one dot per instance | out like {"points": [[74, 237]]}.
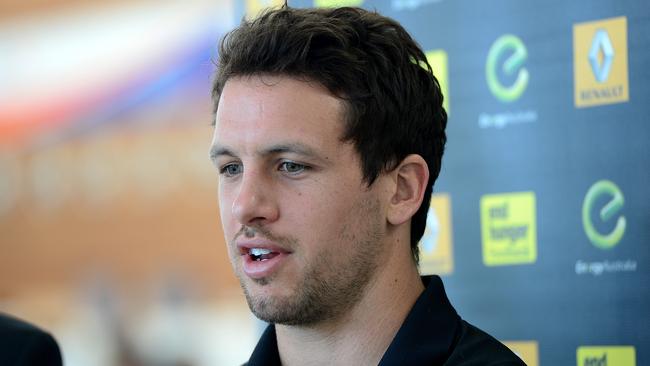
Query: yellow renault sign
{"points": [[600, 62], [436, 254]]}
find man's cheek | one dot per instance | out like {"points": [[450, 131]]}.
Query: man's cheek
{"points": [[225, 208]]}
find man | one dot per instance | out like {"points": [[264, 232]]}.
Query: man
{"points": [[328, 138], [22, 344]]}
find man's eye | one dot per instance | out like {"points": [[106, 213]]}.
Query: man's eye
{"points": [[231, 170], [292, 167]]}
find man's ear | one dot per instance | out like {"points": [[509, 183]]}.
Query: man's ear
{"points": [[410, 180]]}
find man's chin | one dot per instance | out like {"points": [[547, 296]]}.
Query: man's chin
{"points": [[264, 281], [272, 307], [263, 286], [266, 308]]}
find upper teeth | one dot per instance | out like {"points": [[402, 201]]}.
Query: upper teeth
{"points": [[259, 251]]}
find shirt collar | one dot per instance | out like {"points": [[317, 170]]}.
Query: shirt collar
{"points": [[426, 337], [266, 352], [429, 331]]}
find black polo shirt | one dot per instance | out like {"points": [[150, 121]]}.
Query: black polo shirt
{"points": [[432, 334], [22, 344]]}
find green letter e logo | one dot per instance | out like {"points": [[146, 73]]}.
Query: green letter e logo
{"points": [[600, 188], [507, 42]]}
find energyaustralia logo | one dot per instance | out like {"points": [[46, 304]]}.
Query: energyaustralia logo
{"points": [[507, 79], [600, 62], [612, 208], [512, 65], [604, 227]]}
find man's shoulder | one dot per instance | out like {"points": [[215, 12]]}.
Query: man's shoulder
{"points": [[24, 344], [475, 347]]}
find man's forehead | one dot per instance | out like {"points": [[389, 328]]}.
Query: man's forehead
{"points": [[264, 93], [277, 109]]}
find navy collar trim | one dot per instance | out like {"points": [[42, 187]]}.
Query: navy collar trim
{"points": [[429, 332], [266, 352]]}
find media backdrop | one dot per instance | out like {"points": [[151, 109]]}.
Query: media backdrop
{"points": [[540, 224]]}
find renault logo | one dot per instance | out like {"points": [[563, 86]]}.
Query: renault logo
{"points": [[601, 55]]}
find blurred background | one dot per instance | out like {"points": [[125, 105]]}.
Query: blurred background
{"points": [[109, 228]]}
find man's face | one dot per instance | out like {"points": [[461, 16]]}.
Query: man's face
{"points": [[304, 231]]}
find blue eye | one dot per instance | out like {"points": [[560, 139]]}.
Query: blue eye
{"points": [[292, 167], [231, 170]]}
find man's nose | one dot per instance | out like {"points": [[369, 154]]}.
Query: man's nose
{"points": [[255, 202]]}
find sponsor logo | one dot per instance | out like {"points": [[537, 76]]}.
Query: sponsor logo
{"points": [[254, 7], [399, 5], [601, 55], [528, 351], [597, 268], [436, 251], [609, 197], [336, 3], [501, 120], [508, 228], [438, 61], [513, 65], [604, 188], [600, 62], [507, 79], [606, 356]]}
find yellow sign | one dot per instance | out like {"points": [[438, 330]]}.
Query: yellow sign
{"points": [[438, 61], [600, 62], [436, 254], [254, 7], [509, 228], [337, 3], [606, 356], [528, 351]]}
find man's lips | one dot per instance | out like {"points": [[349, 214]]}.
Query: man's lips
{"points": [[246, 247], [261, 258]]}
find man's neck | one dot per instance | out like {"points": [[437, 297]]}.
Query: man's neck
{"points": [[361, 335]]}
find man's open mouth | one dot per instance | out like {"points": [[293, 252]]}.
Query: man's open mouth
{"points": [[261, 254], [261, 260]]}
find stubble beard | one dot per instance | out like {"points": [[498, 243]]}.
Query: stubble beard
{"points": [[328, 288]]}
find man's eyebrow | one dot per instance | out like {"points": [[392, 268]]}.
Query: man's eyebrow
{"points": [[217, 151], [296, 148]]}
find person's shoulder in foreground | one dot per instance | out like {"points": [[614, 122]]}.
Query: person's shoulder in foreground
{"points": [[329, 135], [22, 344]]}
